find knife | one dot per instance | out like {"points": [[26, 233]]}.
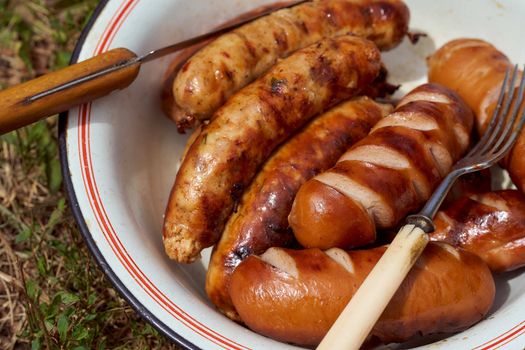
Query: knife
{"points": [[82, 82]]}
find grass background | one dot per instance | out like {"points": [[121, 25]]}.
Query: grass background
{"points": [[52, 293]]}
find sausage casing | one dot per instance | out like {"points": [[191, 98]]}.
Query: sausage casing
{"points": [[223, 159], [476, 69], [490, 225], [386, 175], [235, 59], [261, 218], [295, 296]]}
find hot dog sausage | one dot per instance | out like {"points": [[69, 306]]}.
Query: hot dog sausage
{"points": [[295, 296], [490, 225], [261, 219], [387, 174], [475, 70], [235, 59], [225, 156], [469, 184]]}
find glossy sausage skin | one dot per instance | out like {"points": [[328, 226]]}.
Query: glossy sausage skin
{"points": [[235, 59], [295, 296], [475, 69], [223, 159], [385, 176], [168, 105], [490, 225], [469, 184], [261, 218]]}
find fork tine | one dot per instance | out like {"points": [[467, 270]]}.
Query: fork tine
{"points": [[516, 93], [495, 134], [520, 122], [489, 156], [513, 138], [481, 143]]}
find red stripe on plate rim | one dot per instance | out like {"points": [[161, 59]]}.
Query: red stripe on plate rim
{"points": [[504, 338]]}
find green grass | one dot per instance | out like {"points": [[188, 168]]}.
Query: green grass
{"points": [[52, 293]]}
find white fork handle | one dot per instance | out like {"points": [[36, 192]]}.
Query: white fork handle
{"points": [[366, 306]]}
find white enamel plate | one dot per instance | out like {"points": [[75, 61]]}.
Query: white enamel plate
{"points": [[120, 157]]}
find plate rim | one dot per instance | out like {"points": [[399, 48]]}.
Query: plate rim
{"points": [[115, 281]]}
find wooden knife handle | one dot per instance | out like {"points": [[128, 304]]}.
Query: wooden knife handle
{"points": [[17, 110]]}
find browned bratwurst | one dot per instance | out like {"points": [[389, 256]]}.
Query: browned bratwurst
{"points": [[223, 159], [261, 219], [295, 296], [388, 174], [235, 59], [490, 225], [475, 70], [168, 105]]}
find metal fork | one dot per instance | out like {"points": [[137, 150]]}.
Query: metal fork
{"points": [[366, 306]]}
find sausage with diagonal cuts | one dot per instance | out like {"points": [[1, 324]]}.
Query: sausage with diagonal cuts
{"points": [[475, 69], [388, 174], [490, 225], [295, 296]]}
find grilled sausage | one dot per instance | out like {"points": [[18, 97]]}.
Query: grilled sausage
{"points": [[469, 184], [261, 219], [475, 70], [235, 59], [490, 225], [225, 156], [387, 174], [295, 296], [168, 105]]}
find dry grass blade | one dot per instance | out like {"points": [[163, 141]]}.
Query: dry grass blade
{"points": [[12, 307]]}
